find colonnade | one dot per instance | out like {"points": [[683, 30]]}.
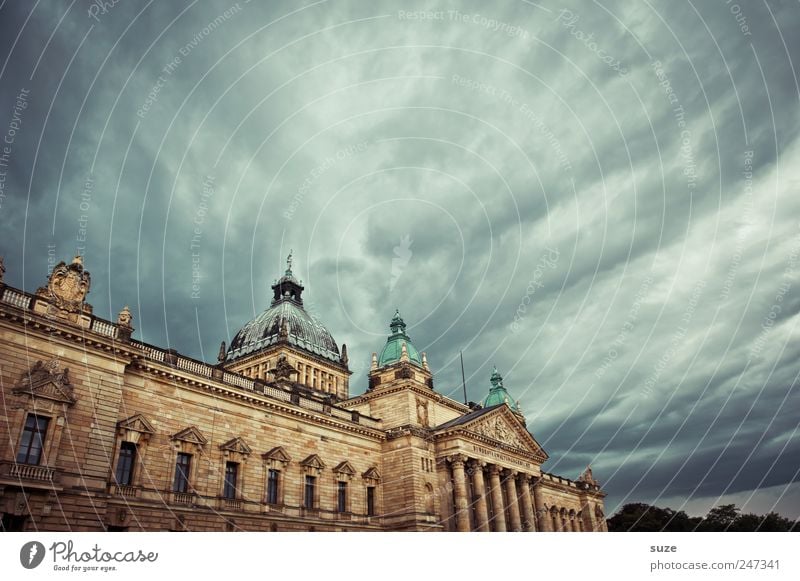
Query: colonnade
{"points": [[488, 497]]}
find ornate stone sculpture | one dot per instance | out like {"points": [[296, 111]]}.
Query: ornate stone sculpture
{"points": [[283, 369], [422, 412], [67, 287], [125, 317]]}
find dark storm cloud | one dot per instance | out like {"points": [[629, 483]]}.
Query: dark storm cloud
{"points": [[601, 200]]}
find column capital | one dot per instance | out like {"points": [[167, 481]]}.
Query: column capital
{"points": [[494, 469], [510, 473], [476, 463], [456, 459]]}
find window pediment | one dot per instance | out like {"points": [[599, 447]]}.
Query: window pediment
{"points": [[237, 448], [190, 435], [372, 474], [345, 469], [313, 463], [134, 428], [236, 445], [277, 454]]}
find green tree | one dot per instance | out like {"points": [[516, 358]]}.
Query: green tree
{"points": [[644, 517], [639, 516], [720, 518]]}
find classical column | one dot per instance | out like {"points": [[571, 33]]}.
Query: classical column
{"points": [[528, 519], [481, 511], [497, 498], [460, 486], [541, 511], [513, 505]]}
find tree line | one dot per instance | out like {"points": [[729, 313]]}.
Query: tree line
{"points": [[727, 517]]}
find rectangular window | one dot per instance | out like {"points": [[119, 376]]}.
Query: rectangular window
{"points": [[311, 484], [32, 442], [231, 474], [370, 501], [341, 499], [183, 466], [272, 486], [125, 463]]}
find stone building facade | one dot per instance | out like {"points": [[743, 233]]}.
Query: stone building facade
{"points": [[99, 431]]}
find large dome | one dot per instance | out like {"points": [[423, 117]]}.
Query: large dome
{"points": [[302, 330], [285, 320]]}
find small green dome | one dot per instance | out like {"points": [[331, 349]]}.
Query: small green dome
{"points": [[498, 393], [394, 344]]}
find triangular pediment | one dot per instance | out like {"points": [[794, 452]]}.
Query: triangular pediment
{"points": [[191, 435], [371, 474], [236, 445], [46, 381], [345, 468], [313, 461], [279, 454], [499, 425], [137, 423]]}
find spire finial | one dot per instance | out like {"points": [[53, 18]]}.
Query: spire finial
{"points": [[397, 324], [496, 379], [289, 263]]}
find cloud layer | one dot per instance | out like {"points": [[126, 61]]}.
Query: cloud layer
{"points": [[601, 200]]}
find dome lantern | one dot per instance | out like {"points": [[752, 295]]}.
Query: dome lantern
{"points": [[498, 393], [399, 346]]}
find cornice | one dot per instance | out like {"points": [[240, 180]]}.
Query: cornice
{"points": [[405, 385], [198, 383], [51, 328]]}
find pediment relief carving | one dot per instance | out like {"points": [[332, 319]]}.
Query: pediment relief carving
{"points": [[497, 428], [503, 427], [47, 381]]}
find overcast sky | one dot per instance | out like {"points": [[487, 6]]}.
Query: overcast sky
{"points": [[600, 199]]}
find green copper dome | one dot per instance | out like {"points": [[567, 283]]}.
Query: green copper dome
{"points": [[498, 393], [394, 344]]}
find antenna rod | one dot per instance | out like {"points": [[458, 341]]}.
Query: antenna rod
{"points": [[463, 381]]}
